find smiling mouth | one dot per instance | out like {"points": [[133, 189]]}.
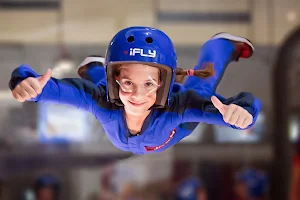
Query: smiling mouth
{"points": [[136, 104]]}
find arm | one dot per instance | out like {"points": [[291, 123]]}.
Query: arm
{"points": [[79, 93], [193, 108]]}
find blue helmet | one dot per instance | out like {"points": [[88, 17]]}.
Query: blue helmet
{"points": [[47, 181], [145, 45], [255, 180]]}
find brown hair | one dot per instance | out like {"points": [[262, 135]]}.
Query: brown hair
{"points": [[206, 71]]}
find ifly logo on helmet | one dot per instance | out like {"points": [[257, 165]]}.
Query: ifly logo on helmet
{"points": [[142, 52]]}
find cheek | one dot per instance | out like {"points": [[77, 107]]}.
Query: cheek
{"points": [[126, 96], [123, 95], [151, 99]]}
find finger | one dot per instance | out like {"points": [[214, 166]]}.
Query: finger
{"points": [[15, 95], [241, 120], [18, 97], [244, 124], [227, 115], [34, 83], [234, 117], [29, 89], [24, 94], [248, 121], [45, 78], [28, 96], [218, 104]]}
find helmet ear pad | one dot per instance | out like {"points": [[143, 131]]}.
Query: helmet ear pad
{"points": [[166, 76]]}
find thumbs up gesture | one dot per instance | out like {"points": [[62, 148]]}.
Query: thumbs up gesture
{"points": [[31, 87], [233, 114]]}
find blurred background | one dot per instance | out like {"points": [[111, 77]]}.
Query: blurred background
{"points": [[50, 152]]}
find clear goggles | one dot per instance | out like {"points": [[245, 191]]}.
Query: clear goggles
{"points": [[147, 88]]}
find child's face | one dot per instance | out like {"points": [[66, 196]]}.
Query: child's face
{"points": [[138, 86]]}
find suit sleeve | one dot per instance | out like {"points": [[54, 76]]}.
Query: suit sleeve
{"points": [[76, 92], [193, 108]]}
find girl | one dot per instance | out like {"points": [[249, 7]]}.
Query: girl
{"points": [[218, 52], [137, 108]]}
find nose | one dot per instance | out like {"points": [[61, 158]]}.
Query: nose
{"points": [[138, 92]]}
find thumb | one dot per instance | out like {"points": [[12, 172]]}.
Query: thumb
{"points": [[45, 78], [218, 104]]}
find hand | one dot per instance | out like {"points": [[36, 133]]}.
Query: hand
{"points": [[31, 87], [233, 114]]}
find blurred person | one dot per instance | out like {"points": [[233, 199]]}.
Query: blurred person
{"points": [[250, 184], [190, 189], [138, 107], [47, 187]]}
